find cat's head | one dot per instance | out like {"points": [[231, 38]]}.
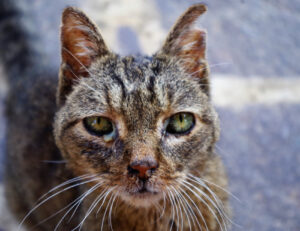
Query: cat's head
{"points": [[139, 123]]}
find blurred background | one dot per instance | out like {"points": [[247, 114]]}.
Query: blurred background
{"points": [[254, 53]]}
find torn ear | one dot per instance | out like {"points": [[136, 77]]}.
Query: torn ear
{"points": [[188, 44], [81, 44]]}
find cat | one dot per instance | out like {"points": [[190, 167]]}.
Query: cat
{"points": [[133, 141]]}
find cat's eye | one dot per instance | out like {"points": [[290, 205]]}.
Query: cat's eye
{"points": [[180, 123], [100, 126]]}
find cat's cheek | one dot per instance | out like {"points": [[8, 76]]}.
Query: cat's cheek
{"points": [[83, 156], [186, 153]]}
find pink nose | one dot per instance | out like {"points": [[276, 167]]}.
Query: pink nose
{"points": [[142, 169]]}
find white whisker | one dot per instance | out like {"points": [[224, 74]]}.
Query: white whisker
{"points": [[70, 53], [48, 198], [185, 183], [215, 197], [79, 178], [192, 213], [164, 205], [176, 209], [183, 207], [172, 208], [110, 211], [218, 186], [76, 205], [199, 212], [90, 209], [105, 211], [53, 215]]}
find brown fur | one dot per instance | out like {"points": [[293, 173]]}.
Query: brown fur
{"points": [[138, 94]]}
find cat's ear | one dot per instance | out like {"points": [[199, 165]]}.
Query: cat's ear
{"points": [[188, 44], [81, 44]]}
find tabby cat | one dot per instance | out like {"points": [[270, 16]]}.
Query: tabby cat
{"points": [[135, 137]]}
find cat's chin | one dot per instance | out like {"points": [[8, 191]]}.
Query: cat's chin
{"points": [[142, 199]]}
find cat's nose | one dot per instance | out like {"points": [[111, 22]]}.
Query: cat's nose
{"points": [[142, 169]]}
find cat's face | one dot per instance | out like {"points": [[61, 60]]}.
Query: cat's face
{"points": [[141, 124]]}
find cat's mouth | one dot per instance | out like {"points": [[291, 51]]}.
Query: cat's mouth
{"points": [[144, 192], [142, 196], [144, 189]]}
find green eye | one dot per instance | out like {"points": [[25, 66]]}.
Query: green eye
{"points": [[100, 126], [180, 123]]}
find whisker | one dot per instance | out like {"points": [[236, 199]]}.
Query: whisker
{"points": [[89, 87], [59, 211], [219, 203], [176, 209], [66, 207], [105, 196], [48, 198], [76, 205], [85, 84], [190, 210], [185, 183], [90, 209], [105, 211], [216, 198], [219, 187], [183, 207], [74, 57], [199, 212], [79, 178], [183, 61], [220, 211], [164, 206], [180, 209], [110, 211], [172, 208], [192, 213], [90, 191]]}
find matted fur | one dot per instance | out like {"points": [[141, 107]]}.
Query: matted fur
{"points": [[187, 190]]}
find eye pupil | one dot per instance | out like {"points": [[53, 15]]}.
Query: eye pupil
{"points": [[180, 118]]}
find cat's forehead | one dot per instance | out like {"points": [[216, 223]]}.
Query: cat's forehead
{"points": [[131, 69], [138, 87], [141, 73]]}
